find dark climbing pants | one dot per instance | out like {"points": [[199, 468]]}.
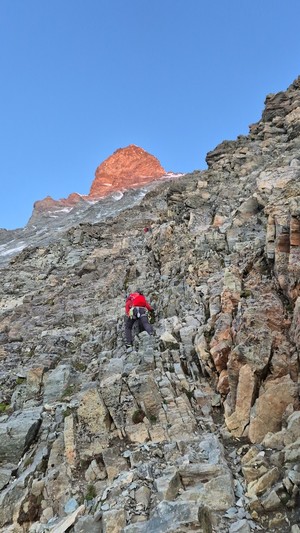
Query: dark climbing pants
{"points": [[141, 323]]}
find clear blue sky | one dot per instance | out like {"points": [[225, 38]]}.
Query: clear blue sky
{"points": [[81, 78]]}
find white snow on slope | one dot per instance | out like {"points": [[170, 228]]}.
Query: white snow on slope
{"points": [[13, 250]]}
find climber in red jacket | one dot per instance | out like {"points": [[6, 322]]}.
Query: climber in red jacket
{"points": [[136, 309]]}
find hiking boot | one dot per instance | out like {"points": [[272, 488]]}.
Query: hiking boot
{"points": [[129, 348]]}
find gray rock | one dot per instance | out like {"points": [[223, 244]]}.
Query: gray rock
{"points": [[168, 485], [87, 524], [142, 496], [168, 517], [231, 513], [71, 506], [18, 432], [295, 529], [241, 526], [56, 383], [5, 475]]}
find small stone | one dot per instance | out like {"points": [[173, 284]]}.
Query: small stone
{"points": [[127, 453], [71, 506], [47, 514], [238, 489], [271, 502], [294, 476], [230, 513], [105, 507], [216, 400], [278, 521], [241, 513], [142, 496], [241, 526], [295, 529], [295, 163], [105, 494], [114, 521]]}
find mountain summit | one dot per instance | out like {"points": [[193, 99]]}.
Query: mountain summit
{"points": [[125, 168]]}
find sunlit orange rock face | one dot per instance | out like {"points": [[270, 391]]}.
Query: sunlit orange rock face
{"points": [[48, 203], [125, 168]]}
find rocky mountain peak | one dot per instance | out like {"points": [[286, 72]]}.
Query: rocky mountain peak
{"points": [[125, 168], [120, 182]]}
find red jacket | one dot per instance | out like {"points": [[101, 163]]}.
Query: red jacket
{"points": [[136, 300]]}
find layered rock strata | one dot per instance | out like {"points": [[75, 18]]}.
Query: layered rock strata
{"points": [[197, 429]]}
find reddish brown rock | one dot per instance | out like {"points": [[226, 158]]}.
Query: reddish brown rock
{"points": [[238, 421], [295, 231], [275, 396], [223, 382], [49, 203], [127, 167]]}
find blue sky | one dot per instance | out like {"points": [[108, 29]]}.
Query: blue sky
{"points": [[81, 78]]}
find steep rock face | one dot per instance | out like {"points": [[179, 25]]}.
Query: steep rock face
{"points": [[127, 167], [198, 428]]}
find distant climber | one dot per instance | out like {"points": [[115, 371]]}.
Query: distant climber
{"points": [[136, 310]]}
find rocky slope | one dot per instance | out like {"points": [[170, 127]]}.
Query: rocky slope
{"points": [[198, 428]]}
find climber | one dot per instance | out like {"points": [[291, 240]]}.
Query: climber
{"points": [[136, 310]]}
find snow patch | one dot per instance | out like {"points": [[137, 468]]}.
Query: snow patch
{"points": [[13, 250], [173, 175], [117, 195], [62, 210], [2, 246]]}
